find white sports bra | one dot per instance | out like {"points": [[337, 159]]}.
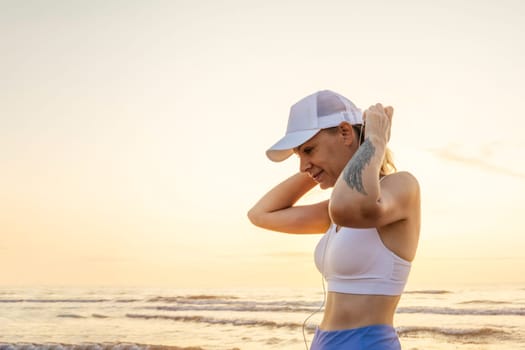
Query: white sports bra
{"points": [[355, 261]]}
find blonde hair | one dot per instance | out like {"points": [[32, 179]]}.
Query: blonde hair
{"points": [[388, 166]]}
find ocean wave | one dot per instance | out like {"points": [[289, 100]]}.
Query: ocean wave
{"points": [[469, 334], [452, 311], [70, 316], [91, 346], [189, 299], [54, 300], [178, 299], [258, 303], [210, 303], [80, 316], [431, 291], [237, 305], [221, 321], [193, 303], [251, 307], [486, 302], [283, 307]]}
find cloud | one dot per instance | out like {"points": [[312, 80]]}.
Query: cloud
{"points": [[454, 154]]}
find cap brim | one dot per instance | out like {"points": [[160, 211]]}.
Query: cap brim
{"points": [[284, 147]]}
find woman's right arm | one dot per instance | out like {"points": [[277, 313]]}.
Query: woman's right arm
{"points": [[276, 211]]}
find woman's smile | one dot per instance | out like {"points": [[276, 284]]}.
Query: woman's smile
{"points": [[317, 177]]}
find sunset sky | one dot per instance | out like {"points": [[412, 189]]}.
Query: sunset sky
{"points": [[132, 134]]}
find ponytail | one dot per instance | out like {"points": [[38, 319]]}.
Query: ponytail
{"points": [[388, 166]]}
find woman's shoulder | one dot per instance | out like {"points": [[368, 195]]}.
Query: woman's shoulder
{"points": [[400, 176], [401, 181]]}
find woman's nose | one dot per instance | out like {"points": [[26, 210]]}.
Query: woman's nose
{"points": [[305, 164]]}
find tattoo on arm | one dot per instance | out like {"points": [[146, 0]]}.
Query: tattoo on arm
{"points": [[353, 172]]}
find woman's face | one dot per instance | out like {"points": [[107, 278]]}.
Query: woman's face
{"points": [[325, 155]]}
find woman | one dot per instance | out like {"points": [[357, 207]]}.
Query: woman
{"points": [[371, 220]]}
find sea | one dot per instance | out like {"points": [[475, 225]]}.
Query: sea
{"points": [[481, 318]]}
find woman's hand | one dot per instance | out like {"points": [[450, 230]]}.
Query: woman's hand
{"points": [[378, 122]]}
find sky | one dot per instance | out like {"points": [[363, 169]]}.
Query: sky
{"points": [[132, 134]]}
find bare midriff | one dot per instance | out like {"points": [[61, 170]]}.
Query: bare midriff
{"points": [[345, 311]]}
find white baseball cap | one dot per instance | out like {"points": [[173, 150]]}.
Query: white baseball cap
{"points": [[324, 109]]}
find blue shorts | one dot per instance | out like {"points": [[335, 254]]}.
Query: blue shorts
{"points": [[375, 337]]}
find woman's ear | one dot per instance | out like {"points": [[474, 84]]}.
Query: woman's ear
{"points": [[347, 133]]}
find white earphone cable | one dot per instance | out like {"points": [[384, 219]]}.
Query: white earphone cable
{"points": [[322, 267], [324, 290]]}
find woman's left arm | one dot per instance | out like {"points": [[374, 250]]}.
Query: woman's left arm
{"points": [[358, 198]]}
